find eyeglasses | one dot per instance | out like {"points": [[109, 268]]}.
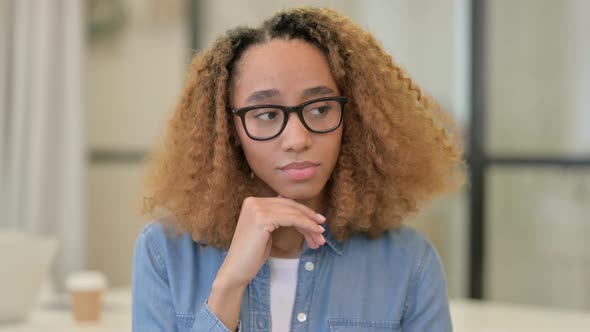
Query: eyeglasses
{"points": [[265, 122]]}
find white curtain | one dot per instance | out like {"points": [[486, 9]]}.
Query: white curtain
{"points": [[42, 132]]}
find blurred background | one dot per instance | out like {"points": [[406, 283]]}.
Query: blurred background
{"points": [[86, 86]]}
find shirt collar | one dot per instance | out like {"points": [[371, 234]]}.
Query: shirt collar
{"points": [[336, 245]]}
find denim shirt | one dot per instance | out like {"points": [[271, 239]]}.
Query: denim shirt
{"points": [[393, 283]]}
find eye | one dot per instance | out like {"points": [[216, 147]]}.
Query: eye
{"points": [[267, 115], [320, 110]]}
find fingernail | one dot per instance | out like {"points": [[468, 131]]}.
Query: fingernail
{"points": [[323, 239], [321, 217], [321, 229]]}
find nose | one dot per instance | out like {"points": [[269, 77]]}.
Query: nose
{"points": [[295, 137]]}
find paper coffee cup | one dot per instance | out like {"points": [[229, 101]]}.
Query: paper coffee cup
{"points": [[86, 290]]}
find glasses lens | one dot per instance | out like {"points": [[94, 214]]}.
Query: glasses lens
{"points": [[264, 122], [322, 115]]}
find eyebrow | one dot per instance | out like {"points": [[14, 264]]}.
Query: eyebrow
{"points": [[317, 91], [262, 95], [266, 94]]}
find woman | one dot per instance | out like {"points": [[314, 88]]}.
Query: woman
{"points": [[295, 153]]}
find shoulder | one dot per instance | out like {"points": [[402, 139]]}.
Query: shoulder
{"points": [[161, 236], [401, 241], [416, 249], [170, 248], [407, 237], [412, 242], [161, 230], [170, 262], [402, 252]]}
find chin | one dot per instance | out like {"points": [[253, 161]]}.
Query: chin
{"points": [[300, 191]]}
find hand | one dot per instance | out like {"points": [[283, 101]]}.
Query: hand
{"points": [[251, 245], [252, 240]]}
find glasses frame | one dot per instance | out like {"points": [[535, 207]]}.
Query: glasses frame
{"points": [[287, 110]]}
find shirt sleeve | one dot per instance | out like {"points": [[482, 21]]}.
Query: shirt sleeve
{"points": [[207, 321], [152, 306], [427, 306]]}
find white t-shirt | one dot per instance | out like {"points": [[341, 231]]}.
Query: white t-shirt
{"points": [[283, 283]]}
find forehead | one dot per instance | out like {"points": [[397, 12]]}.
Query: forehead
{"points": [[289, 66]]}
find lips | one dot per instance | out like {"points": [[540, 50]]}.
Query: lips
{"points": [[299, 165], [300, 171]]}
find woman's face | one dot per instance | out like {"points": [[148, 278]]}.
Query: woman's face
{"points": [[288, 73]]}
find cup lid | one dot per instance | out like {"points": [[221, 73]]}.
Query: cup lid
{"points": [[86, 281]]}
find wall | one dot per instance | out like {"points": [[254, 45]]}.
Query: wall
{"points": [[134, 78]]}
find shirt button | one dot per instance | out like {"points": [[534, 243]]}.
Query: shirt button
{"points": [[261, 323], [301, 317], [309, 266]]}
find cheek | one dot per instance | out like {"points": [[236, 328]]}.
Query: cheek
{"points": [[336, 142], [258, 154], [254, 154], [335, 149]]}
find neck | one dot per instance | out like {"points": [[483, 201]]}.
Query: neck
{"points": [[287, 242]]}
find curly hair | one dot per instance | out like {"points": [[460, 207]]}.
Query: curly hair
{"points": [[398, 150]]}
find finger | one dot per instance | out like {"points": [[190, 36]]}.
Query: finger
{"points": [[310, 213], [319, 240], [297, 220], [313, 240], [310, 242]]}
